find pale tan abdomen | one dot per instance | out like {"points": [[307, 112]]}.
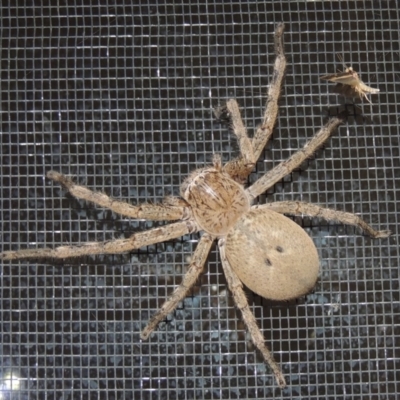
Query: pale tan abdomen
{"points": [[272, 255]]}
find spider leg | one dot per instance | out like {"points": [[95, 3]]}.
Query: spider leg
{"points": [[236, 287], [137, 240], [195, 269], [264, 131], [172, 209], [312, 210], [240, 168], [246, 148], [294, 161]]}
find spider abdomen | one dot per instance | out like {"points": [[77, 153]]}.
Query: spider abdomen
{"points": [[217, 201], [272, 255]]}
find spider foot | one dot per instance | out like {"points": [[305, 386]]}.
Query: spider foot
{"points": [[8, 255], [61, 179], [382, 234]]}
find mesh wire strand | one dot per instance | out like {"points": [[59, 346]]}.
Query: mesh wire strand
{"points": [[121, 98]]}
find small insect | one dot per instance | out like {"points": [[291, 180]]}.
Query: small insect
{"points": [[349, 84]]}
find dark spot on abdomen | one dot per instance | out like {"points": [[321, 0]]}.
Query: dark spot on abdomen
{"points": [[279, 249], [268, 262]]}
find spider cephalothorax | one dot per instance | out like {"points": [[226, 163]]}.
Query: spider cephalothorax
{"points": [[216, 200], [259, 246]]}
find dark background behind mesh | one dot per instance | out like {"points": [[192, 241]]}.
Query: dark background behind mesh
{"points": [[120, 96]]}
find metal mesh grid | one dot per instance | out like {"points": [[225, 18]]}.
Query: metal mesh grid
{"points": [[121, 97]]}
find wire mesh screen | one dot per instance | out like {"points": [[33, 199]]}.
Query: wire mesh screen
{"points": [[121, 97]]}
